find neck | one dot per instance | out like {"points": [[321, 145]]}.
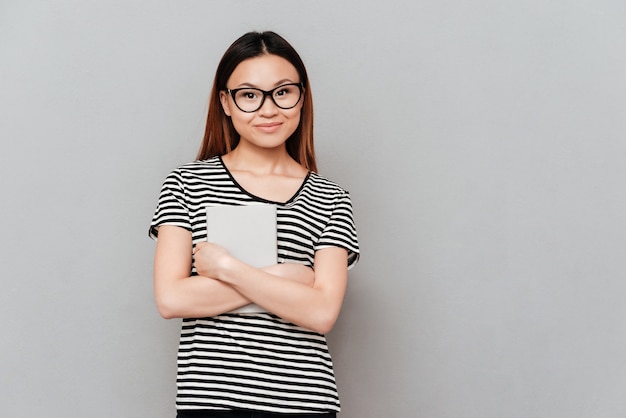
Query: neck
{"points": [[259, 160]]}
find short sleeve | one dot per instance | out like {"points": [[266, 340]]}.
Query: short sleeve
{"points": [[340, 231], [172, 207]]}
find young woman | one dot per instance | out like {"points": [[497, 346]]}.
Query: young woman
{"points": [[258, 148]]}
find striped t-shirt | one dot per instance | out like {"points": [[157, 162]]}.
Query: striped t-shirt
{"points": [[257, 361]]}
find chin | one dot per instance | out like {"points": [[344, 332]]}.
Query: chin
{"points": [[268, 141]]}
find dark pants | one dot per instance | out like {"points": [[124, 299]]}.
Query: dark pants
{"points": [[246, 414]]}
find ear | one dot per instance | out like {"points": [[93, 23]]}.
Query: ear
{"points": [[301, 103], [225, 102]]}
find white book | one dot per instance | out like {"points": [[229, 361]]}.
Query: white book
{"points": [[248, 232]]}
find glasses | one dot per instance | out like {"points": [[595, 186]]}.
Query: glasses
{"points": [[249, 100]]}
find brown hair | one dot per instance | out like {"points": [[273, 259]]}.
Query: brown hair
{"points": [[220, 136]]}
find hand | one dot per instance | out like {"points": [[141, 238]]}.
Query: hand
{"points": [[211, 259], [293, 271]]}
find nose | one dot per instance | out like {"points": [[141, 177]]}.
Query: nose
{"points": [[268, 109]]}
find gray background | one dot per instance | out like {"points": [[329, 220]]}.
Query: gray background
{"points": [[483, 143]]}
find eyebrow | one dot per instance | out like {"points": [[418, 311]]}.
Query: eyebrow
{"points": [[280, 83]]}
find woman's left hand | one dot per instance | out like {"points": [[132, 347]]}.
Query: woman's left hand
{"points": [[211, 259]]}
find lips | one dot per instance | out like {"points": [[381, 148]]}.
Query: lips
{"points": [[269, 127]]}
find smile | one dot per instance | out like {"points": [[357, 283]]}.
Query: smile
{"points": [[269, 127]]}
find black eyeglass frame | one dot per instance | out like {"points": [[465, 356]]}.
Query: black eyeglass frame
{"points": [[267, 93]]}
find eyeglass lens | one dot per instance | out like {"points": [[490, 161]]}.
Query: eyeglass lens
{"points": [[250, 99]]}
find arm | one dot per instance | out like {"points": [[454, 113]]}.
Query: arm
{"points": [[315, 308], [179, 295]]}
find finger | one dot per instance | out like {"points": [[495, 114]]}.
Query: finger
{"points": [[198, 247]]}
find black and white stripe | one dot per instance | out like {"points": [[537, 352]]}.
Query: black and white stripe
{"points": [[257, 361]]}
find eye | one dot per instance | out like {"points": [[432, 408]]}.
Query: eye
{"points": [[284, 91], [248, 94]]}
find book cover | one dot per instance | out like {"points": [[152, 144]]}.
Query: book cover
{"points": [[248, 232]]}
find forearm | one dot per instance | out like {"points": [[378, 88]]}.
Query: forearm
{"points": [[313, 307], [200, 296], [196, 297], [292, 301], [180, 296]]}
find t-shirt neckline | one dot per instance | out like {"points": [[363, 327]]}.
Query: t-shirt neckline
{"points": [[258, 198]]}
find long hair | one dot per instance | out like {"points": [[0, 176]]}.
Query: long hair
{"points": [[220, 136]]}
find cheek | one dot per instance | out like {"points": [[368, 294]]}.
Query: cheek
{"points": [[240, 121], [295, 114], [292, 118]]}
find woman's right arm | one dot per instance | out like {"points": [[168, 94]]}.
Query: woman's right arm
{"points": [[179, 295]]}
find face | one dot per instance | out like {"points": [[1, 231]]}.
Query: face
{"points": [[269, 126]]}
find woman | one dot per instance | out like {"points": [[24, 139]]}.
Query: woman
{"points": [[258, 148]]}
